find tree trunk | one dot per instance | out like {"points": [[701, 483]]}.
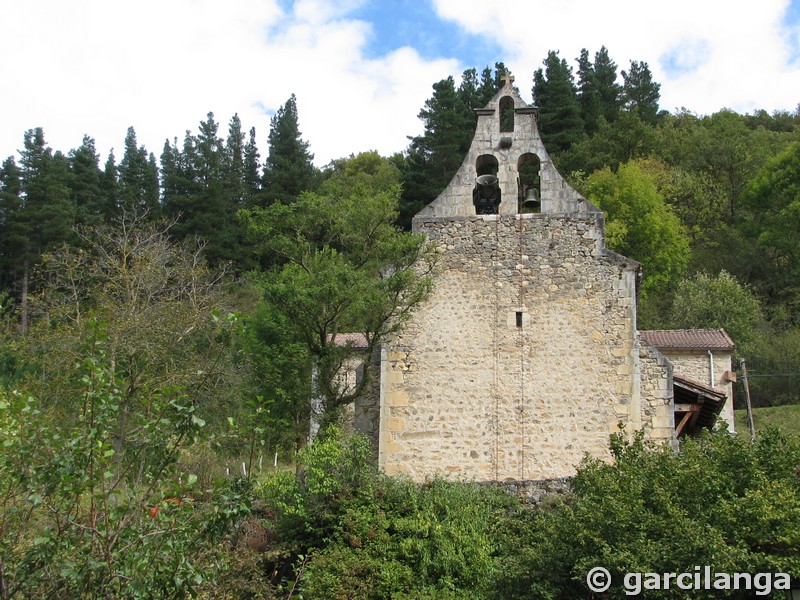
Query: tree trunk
{"points": [[23, 319]]}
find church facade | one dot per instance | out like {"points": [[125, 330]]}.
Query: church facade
{"points": [[526, 356]]}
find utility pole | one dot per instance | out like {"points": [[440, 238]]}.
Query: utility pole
{"points": [[747, 400]]}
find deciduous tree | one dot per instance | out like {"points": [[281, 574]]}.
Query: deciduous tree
{"points": [[157, 301], [640, 225], [718, 302], [343, 268], [772, 202]]}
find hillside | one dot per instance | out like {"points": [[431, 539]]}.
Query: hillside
{"points": [[785, 418]]}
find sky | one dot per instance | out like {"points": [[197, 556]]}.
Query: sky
{"points": [[361, 70]]}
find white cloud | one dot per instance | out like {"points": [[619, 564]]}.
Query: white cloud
{"points": [[99, 66], [746, 53], [346, 102]]}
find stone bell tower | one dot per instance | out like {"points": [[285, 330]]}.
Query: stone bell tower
{"points": [[525, 356], [507, 155]]}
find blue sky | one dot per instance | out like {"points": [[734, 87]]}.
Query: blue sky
{"points": [[398, 23], [791, 24], [361, 69]]}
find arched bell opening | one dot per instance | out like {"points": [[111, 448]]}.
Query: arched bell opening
{"points": [[486, 193], [506, 114], [529, 184]]}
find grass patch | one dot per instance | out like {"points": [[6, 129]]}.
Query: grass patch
{"points": [[785, 418]]}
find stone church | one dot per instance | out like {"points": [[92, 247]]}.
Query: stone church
{"points": [[527, 356]]}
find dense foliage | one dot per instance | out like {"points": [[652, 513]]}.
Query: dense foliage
{"points": [[640, 224], [341, 266], [366, 535], [351, 532], [720, 501], [85, 517]]}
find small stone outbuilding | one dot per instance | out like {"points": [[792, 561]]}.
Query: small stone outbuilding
{"points": [[702, 360]]}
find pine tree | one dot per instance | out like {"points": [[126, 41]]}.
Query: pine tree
{"points": [[220, 193], [203, 189], [289, 169], [449, 118], [46, 215], [138, 179], [470, 90], [475, 92], [640, 93], [179, 182], [179, 179], [434, 157], [555, 94], [92, 206], [252, 172], [10, 206], [608, 90], [109, 184], [170, 157], [233, 163], [588, 93]]}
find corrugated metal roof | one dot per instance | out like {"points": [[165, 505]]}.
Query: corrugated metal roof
{"points": [[704, 339]]}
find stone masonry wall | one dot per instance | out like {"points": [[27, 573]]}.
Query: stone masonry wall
{"points": [[523, 359], [658, 417]]}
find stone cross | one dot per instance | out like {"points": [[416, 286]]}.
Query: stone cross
{"points": [[508, 78]]}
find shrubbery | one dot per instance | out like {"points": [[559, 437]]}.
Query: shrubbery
{"points": [[721, 501], [81, 517], [76, 521], [366, 535]]}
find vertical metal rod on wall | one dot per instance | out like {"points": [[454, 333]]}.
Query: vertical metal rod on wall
{"points": [[520, 253], [496, 348]]}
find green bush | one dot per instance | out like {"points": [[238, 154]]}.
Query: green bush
{"points": [[79, 518], [365, 535], [721, 501]]}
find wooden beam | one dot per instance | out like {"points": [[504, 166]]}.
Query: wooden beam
{"points": [[688, 408], [682, 424], [693, 421]]}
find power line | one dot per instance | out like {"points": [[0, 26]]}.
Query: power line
{"points": [[751, 375]]}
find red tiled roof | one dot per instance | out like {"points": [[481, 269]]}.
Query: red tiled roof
{"points": [[703, 339], [357, 340]]}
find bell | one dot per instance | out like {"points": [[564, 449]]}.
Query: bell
{"points": [[531, 203], [486, 195], [487, 182]]}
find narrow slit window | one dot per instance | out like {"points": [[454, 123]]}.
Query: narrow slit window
{"points": [[519, 319]]}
